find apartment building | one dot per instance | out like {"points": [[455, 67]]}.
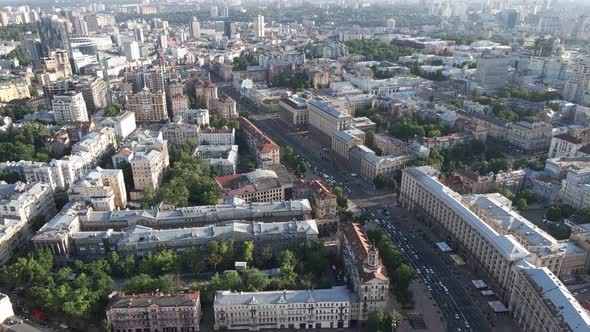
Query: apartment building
{"points": [[223, 157], [140, 241], [323, 202], [150, 160], [154, 312], [293, 111], [539, 301], [344, 140], [148, 106], [95, 94], [325, 121], [80, 231], [266, 150], [447, 141], [123, 123], [20, 203], [69, 107], [372, 165], [575, 188], [178, 133], [288, 309], [60, 174], [193, 116], [531, 136], [260, 185], [568, 144], [564, 258], [226, 108], [368, 277], [206, 93], [534, 294], [103, 188], [14, 89]]}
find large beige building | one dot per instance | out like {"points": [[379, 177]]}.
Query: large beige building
{"points": [[148, 164], [325, 121], [288, 309], [293, 111], [103, 188], [70, 107], [14, 89], [522, 279], [529, 136], [154, 312], [148, 106]]}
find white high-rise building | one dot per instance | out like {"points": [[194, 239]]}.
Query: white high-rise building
{"points": [[163, 41], [214, 11], [195, 28], [139, 37], [390, 25], [259, 27], [70, 107], [131, 50], [576, 88]]}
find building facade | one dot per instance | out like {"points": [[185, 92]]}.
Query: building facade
{"points": [[148, 106], [154, 312], [288, 309], [70, 107]]}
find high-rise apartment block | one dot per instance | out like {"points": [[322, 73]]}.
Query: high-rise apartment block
{"points": [[148, 106], [259, 27], [70, 107]]}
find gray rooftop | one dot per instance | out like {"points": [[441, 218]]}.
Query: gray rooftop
{"points": [[574, 315], [334, 294], [507, 245], [329, 109]]}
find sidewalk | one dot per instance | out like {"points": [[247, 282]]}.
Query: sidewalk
{"points": [[425, 306]]}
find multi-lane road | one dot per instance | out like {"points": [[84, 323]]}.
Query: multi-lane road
{"points": [[434, 269]]}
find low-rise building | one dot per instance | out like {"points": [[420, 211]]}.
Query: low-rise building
{"points": [[447, 141], [266, 150], [154, 312], [222, 157], [80, 232], [288, 309]]}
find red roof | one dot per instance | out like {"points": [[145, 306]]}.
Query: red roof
{"points": [[263, 142], [359, 243], [225, 180]]}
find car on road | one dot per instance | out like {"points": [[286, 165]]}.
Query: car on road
{"points": [[456, 316]]}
